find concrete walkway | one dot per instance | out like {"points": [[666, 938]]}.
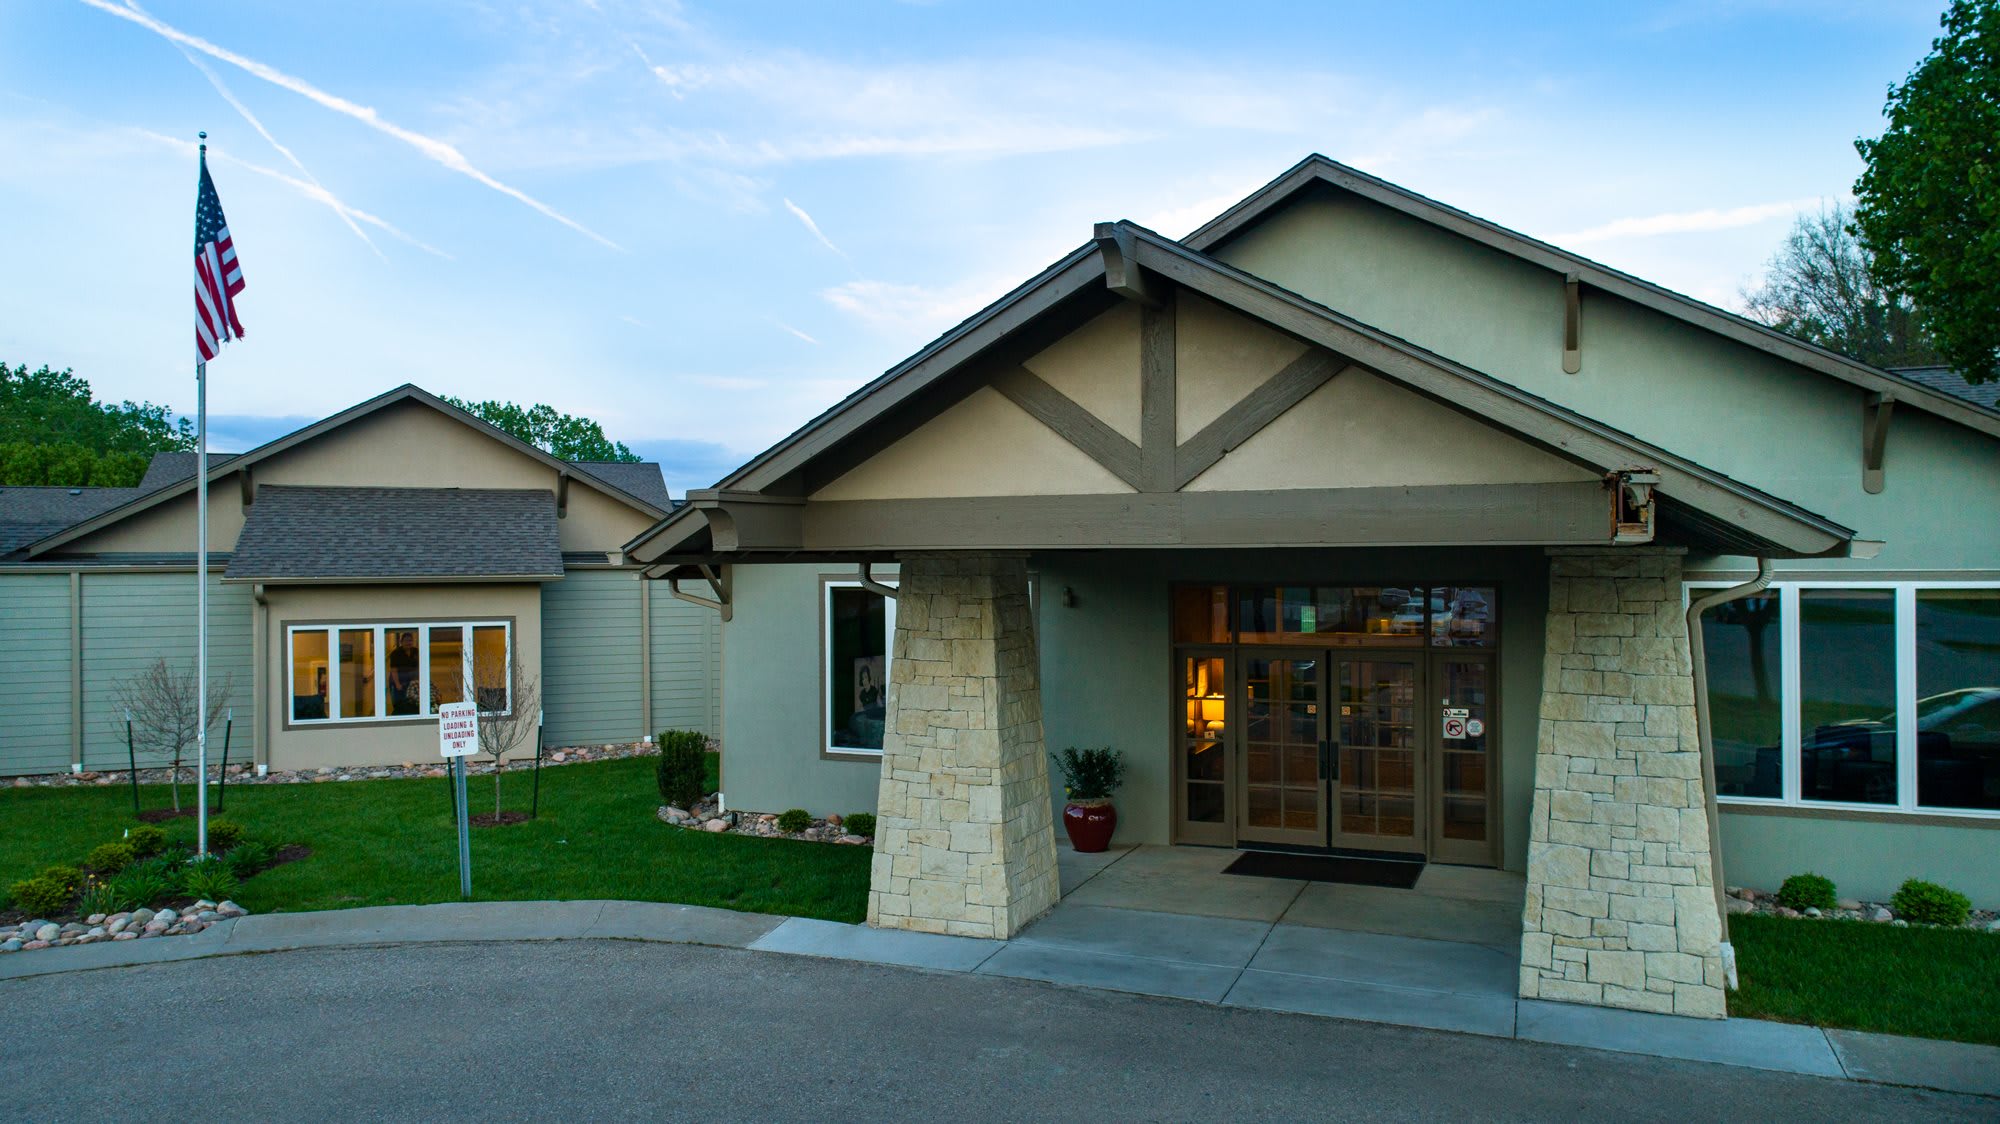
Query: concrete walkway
{"points": [[1249, 962]]}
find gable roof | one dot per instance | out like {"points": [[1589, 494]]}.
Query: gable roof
{"points": [[174, 467], [1944, 380], [1725, 510], [1317, 170], [297, 533], [408, 392], [639, 478], [28, 514]]}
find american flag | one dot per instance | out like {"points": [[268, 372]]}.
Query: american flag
{"points": [[218, 277]]}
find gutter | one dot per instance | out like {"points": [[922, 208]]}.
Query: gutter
{"points": [[1695, 609]]}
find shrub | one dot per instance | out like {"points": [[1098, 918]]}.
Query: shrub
{"points": [[42, 896], [167, 869], [223, 834], [140, 885], [110, 858], [1927, 903], [248, 857], [68, 877], [860, 823], [100, 897], [212, 881], [1090, 774], [683, 767], [794, 820], [1804, 891], [146, 840]]}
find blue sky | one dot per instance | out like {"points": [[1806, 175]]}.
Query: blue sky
{"points": [[704, 224]]}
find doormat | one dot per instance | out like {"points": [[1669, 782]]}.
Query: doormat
{"points": [[1399, 874]]}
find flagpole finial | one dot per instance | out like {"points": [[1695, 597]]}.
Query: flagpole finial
{"points": [[203, 134]]}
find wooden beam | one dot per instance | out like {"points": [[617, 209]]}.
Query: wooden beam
{"points": [[1256, 410], [1072, 423], [1122, 274], [1159, 417], [562, 495], [1456, 514], [248, 486], [1572, 324], [1875, 411]]}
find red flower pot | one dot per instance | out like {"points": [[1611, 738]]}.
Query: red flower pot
{"points": [[1090, 824]]}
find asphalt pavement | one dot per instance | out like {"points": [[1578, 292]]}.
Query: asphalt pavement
{"points": [[601, 1029]]}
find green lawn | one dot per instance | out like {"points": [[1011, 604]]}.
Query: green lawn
{"points": [[392, 842], [1933, 983]]}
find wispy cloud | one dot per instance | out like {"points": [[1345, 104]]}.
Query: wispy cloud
{"points": [[914, 311], [432, 148], [1686, 222], [799, 213], [311, 190], [794, 331]]}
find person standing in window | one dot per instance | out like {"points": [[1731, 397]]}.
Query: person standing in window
{"points": [[405, 673]]}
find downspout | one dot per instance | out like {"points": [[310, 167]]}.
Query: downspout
{"points": [[868, 582], [262, 686], [1696, 652]]}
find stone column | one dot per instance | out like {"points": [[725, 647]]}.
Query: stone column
{"points": [[1620, 907], [964, 839]]}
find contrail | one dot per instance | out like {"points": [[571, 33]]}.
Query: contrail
{"points": [[436, 150], [807, 219], [242, 110]]}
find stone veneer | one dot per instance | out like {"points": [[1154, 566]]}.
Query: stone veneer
{"points": [[1621, 908], [964, 837]]}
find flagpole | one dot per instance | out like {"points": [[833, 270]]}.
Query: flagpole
{"points": [[201, 584]]}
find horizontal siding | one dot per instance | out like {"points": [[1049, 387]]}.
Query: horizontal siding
{"points": [[130, 620], [687, 665], [590, 658], [34, 673]]}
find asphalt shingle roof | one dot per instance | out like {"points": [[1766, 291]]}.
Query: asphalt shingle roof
{"points": [[1947, 381], [30, 514], [172, 468], [638, 478], [381, 533]]}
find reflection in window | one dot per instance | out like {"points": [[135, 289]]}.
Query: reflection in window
{"points": [[1462, 616], [357, 673], [1741, 640], [1958, 698], [405, 681], [1359, 616], [309, 675], [859, 624], [1847, 695], [489, 667], [1201, 614], [447, 664]]}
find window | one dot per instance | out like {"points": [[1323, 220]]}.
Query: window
{"points": [[373, 672], [1370, 616], [1877, 695], [859, 624]]}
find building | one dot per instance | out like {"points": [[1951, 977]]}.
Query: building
{"points": [[1356, 521], [366, 568]]}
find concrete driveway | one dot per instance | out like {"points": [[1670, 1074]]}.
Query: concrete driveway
{"points": [[608, 1029]]}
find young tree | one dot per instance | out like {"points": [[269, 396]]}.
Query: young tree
{"points": [[565, 435], [1819, 287], [510, 709], [1929, 203], [164, 703]]}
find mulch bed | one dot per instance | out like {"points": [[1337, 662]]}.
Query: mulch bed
{"points": [[162, 815], [488, 819]]}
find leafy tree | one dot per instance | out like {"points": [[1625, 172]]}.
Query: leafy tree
{"points": [[53, 432], [1819, 287], [565, 435], [1929, 203]]}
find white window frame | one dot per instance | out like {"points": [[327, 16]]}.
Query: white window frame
{"points": [[381, 630], [827, 586], [1790, 688]]}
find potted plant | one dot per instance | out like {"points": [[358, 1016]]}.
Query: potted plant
{"points": [[1090, 776]]}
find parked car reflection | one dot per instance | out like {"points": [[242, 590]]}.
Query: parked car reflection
{"points": [[1958, 754]]}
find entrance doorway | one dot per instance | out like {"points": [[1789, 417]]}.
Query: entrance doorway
{"points": [[1380, 741]]}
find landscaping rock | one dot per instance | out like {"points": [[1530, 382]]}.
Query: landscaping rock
{"points": [[1848, 905], [1993, 926], [35, 944], [1880, 914], [231, 909], [1738, 905], [94, 919], [140, 917], [1812, 911], [716, 826], [48, 931]]}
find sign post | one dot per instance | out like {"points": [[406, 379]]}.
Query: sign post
{"points": [[458, 739]]}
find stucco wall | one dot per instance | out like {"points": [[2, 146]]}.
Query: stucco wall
{"points": [[1791, 431], [385, 742], [1866, 859], [771, 704]]}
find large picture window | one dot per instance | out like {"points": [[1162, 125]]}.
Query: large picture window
{"points": [[1877, 695], [859, 625], [375, 672]]}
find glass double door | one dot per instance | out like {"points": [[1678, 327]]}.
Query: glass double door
{"points": [[1365, 750]]}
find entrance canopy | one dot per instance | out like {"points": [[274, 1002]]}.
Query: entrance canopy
{"points": [[1142, 394]]}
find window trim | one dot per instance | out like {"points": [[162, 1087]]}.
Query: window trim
{"points": [[380, 627], [1790, 688], [827, 584]]}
